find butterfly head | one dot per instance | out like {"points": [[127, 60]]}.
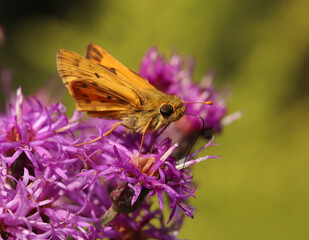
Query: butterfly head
{"points": [[173, 109]]}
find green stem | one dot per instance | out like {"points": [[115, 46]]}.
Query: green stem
{"points": [[109, 215]]}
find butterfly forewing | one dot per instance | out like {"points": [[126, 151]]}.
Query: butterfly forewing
{"points": [[100, 56], [96, 88]]}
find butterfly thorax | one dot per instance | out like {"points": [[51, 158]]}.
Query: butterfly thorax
{"points": [[157, 110]]}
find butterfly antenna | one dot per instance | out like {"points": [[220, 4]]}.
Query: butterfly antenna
{"points": [[203, 127], [207, 102]]}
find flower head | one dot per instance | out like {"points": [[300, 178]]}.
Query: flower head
{"points": [[113, 160], [35, 160], [53, 187], [175, 76]]}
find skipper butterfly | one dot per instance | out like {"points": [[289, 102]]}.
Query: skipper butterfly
{"points": [[104, 88]]}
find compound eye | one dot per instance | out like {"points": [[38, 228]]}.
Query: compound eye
{"points": [[166, 110]]}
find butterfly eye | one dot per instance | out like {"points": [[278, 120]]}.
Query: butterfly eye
{"points": [[166, 110]]}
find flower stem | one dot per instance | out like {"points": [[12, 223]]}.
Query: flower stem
{"points": [[109, 215]]}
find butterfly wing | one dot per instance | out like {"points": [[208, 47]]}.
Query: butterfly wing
{"points": [[98, 55], [96, 89]]}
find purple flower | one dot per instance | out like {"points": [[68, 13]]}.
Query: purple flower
{"points": [[25, 212], [146, 224], [35, 162], [52, 188], [31, 129], [175, 76], [112, 160]]}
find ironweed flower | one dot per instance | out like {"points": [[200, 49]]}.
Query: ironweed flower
{"points": [[52, 188], [175, 76]]}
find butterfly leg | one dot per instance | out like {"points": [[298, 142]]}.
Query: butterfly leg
{"points": [[144, 132], [104, 135], [154, 141]]}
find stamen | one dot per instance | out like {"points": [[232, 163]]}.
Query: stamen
{"points": [[168, 152]]}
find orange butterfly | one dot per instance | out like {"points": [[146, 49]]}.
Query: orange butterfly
{"points": [[103, 87]]}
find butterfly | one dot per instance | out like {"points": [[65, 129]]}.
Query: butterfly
{"points": [[105, 88]]}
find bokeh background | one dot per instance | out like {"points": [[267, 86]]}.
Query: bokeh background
{"points": [[260, 49]]}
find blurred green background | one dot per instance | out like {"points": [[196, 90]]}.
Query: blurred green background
{"points": [[260, 49]]}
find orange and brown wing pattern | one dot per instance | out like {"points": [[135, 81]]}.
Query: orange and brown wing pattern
{"points": [[100, 56], [95, 88]]}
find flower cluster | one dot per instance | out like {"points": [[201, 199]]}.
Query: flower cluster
{"points": [[54, 188], [175, 76]]}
